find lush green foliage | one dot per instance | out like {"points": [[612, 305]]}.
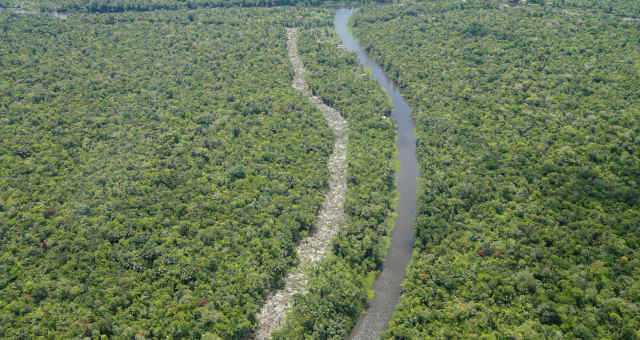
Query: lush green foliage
{"points": [[156, 171], [110, 6], [626, 8], [528, 122], [338, 288]]}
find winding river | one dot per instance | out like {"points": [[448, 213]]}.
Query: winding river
{"points": [[387, 285]]}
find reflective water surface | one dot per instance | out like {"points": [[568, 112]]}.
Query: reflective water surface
{"points": [[387, 285]]}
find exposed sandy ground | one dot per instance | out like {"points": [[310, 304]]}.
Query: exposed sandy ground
{"points": [[314, 247]]}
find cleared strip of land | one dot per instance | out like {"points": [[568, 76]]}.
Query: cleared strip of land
{"points": [[315, 246]]}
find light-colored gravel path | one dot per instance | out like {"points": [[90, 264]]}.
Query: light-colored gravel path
{"points": [[314, 247]]}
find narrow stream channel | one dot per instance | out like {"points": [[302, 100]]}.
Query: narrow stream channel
{"points": [[387, 285]]}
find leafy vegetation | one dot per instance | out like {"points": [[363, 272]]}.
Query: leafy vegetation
{"points": [[338, 288], [626, 8], [111, 6], [527, 121], [156, 171]]}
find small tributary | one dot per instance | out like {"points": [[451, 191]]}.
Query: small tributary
{"points": [[387, 285]]}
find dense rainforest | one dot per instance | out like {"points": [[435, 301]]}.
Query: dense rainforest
{"points": [[527, 125], [622, 8], [156, 171], [110, 6]]}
